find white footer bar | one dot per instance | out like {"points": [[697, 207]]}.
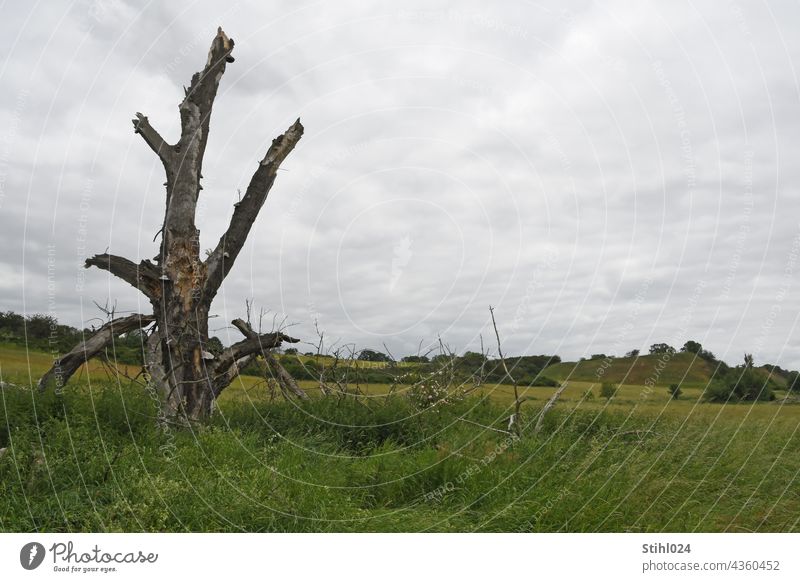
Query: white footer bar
{"points": [[401, 557]]}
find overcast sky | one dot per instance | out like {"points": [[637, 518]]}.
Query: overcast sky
{"points": [[607, 176]]}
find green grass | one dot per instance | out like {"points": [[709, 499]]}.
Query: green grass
{"points": [[93, 459], [21, 366]]}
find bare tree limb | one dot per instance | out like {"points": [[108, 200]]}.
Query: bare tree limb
{"points": [[144, 276], [196, 106], [221, 260], [252, 344], [514, 420], [285, 379], [195, 112], [244, 326], [67, 365], [141, 125]]}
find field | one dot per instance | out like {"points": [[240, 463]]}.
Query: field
{"points": [[93, 459]]}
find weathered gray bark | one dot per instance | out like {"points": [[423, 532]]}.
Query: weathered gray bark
{"points": [[68, 364], [179, 284], [285, 380]]}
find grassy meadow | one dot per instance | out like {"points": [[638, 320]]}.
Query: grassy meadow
{"points": [[93, 459]]}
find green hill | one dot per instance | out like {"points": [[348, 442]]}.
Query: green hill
{"points": [[679, 368], [662, 369]]}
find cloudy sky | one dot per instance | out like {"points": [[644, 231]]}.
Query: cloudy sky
{"points": [[607, 176]]}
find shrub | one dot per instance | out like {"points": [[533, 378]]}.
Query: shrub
{"points": [[432, 392], [545, 381], [608, 390], [741, 383], [718, 391], [675, 391]]}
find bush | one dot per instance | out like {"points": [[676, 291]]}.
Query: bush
{"points": [[425, 395], [675, 391], [741, 383], [608, 390], [718, 391], [545, 381]]}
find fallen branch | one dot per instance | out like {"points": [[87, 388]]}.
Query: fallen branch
{"points": [[64, 367], [285, 379]]}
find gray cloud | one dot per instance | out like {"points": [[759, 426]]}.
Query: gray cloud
{"points": [[549, 161]]}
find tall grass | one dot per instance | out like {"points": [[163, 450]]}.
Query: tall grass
{"points": [[94, 459]]}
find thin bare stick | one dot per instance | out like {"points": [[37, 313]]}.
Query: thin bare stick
{"points": [[514, 421], [548, 406], [323, 387], [484, 426]]}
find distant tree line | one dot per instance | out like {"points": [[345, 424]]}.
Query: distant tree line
{"points": [[472, 368], [526, 370], [42, 332]]}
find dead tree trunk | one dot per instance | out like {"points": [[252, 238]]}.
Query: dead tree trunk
{"points": [[178, 283]]}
